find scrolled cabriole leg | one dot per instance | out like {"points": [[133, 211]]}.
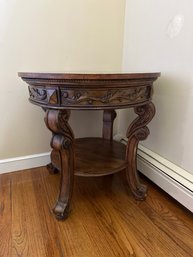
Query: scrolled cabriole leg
{"points": [[137, 131], [51, 167], [63, 142]]}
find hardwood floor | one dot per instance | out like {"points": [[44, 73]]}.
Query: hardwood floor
{"points": [[105, 220]]}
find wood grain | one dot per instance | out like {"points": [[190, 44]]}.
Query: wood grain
{"points": [[106, 220], [168, 219], [96, 157], [5, 215]]}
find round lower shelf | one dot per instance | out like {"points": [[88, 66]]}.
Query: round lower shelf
{"points": [[96, 157]]}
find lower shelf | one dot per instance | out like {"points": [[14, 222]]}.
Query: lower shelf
{"points": [[96, 157]]}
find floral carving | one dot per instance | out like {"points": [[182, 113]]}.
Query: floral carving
{"points": [[110, 96]]}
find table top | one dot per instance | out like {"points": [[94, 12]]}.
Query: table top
{"points": [[87, 75], [89, 90]]}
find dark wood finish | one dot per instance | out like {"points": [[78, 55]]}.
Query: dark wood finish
{"points": [[59, 93], [63, 142], [105, 222], [51, 168], [137, 131], [108, 119], [96, 157], [99, 157]]}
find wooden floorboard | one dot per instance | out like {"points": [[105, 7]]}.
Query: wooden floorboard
{"points": [[5, 215], [105, 220]]}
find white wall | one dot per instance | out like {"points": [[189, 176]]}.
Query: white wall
{"points": [[148, 46], [49, 36]]}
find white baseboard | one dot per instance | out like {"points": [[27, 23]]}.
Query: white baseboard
{"points": [[24, 162]]}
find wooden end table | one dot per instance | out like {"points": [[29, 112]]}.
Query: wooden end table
{"points": [[58, 93]]}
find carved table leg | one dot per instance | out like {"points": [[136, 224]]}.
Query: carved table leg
{"points": [[63, 142], [108, 119], [137, 131], [51, 168]]}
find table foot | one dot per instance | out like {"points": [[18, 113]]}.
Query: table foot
{"points": [[137, 131], [63, 142], [61, 210], [52, 169], [138, 190]]}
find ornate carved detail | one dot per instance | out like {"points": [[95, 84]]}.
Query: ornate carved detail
{"points": [[138, 126], [40, 94], [90, 97], [62, 141], [105, 97], [137, 131]]}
